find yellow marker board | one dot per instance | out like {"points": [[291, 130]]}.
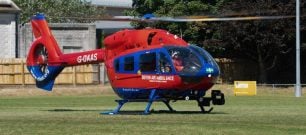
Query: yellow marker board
{"points": [[247, 88]]}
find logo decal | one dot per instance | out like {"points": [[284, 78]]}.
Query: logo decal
{"points": [[209, 70]]}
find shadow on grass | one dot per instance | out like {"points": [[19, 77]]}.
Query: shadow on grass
{"points": [[161, 112], [137, 112], [70, 110]]}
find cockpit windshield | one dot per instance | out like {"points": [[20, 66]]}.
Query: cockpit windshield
{"points": [[185, 61], [204, 54]]}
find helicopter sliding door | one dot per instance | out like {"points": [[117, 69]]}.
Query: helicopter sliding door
{"points": [[147, 63], [148, 68], [156, 69], [155, 63], [136, 70]]}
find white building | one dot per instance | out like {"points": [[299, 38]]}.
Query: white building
{"points": [[80, 37], [113, 8], [9, 13]]}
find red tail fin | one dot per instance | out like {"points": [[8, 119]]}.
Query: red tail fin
{"points": [[43, 36], [45, 59]]}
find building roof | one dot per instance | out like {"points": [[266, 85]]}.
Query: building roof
{"points": [[113, 3], [114, 7], [8, 6], [113, 25]]}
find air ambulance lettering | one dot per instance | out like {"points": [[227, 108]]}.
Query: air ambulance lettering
{"points": [[87, 58], [157, 78], [170, 78]]}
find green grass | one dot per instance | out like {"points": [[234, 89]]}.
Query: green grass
{"points": [[56, 115]]}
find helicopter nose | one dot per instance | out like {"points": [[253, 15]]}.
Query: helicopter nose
{"points": [[208, 71], [191, 79]]}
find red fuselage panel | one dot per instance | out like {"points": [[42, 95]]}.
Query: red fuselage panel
{"points": [[128, 40]]}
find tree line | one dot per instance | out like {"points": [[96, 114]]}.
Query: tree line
{"points": [[58, 11], [268, 43]]}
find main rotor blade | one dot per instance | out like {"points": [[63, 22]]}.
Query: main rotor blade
{"points": [[214, 19], [182, 19]]}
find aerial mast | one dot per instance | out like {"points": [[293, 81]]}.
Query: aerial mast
{"points": [[298, 92]]}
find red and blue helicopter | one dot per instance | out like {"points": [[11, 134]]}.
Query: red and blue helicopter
{"points": [[144, 65]]}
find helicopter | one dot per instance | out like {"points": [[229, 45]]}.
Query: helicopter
{"points": [[146, 65]]}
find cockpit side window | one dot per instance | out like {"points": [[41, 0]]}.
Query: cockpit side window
{"points": [[164, 63], [147, 62]]}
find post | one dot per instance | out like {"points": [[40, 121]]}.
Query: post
{"points": [[74, 76], [298, 92], [22, 73]]}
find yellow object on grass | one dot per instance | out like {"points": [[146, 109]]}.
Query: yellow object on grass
{"points": [[246, 88]]}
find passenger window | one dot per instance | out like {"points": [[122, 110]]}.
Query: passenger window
{"points": [[147, 62], [164, 63], [129, 63], [117, 65]]}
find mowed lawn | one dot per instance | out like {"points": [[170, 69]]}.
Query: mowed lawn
{"points": [[79, 114]]}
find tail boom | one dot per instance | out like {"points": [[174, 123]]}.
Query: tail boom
{"points": [[81, 58]]}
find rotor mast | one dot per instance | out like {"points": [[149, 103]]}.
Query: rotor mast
{"points": [[298, 92]]}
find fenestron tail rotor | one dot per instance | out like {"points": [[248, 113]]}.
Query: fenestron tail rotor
{"points": [[41, 55], [43, 58]]}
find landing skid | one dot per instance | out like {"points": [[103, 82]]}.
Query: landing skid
{"points": [[153, 97], [217, 99]]}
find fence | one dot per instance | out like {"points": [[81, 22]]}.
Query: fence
{"points": [[14, 72], [264, 89]]}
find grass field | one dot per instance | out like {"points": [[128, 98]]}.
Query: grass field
{"points": [[78, 113]]}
